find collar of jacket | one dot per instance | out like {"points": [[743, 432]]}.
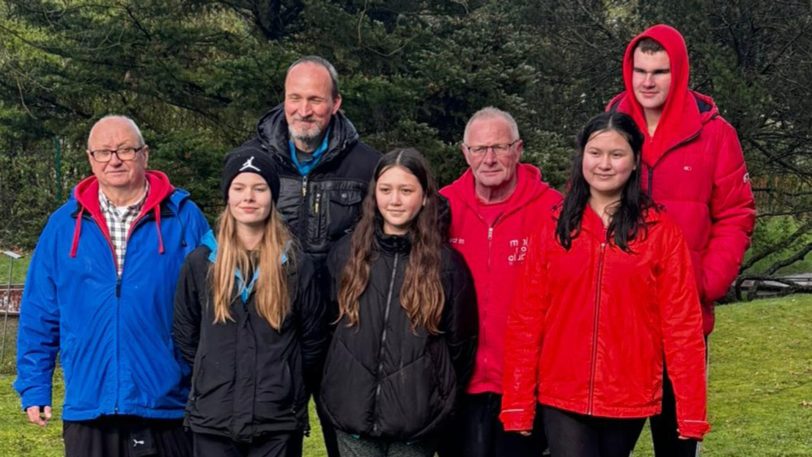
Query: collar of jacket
{"points": [[245, 289], [592, 224], [272, 131], [391, 244], [529, 186], [86, 194], [210, 241], [305, 168]]}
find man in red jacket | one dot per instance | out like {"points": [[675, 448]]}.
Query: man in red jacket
{"points": [[694, 166], [495, 206]]}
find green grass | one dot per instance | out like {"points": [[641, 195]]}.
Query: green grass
{"points": [[18, 270], [760, 389], [19, 438], [760, 399]]}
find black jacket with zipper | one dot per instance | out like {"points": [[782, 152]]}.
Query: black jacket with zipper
{"points": [[382, 379], [325, 205], [247, 378]]}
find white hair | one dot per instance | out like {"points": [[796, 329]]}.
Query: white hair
{"points": [[119, 117], [490, 112]]}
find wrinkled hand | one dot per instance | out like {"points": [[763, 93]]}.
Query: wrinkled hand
{"points": [[37, 416]]}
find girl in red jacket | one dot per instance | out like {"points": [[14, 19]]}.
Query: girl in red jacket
{"points": [[607, 292]]}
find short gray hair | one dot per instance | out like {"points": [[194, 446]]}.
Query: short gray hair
{"points": [[321, 61], [490, 112], [120, 117]]}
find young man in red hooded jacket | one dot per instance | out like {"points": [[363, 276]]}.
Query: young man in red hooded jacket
{"points": [[694, 166]]}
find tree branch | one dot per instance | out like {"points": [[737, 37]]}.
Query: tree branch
{"points": [[777, 247]]}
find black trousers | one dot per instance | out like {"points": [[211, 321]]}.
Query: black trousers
{"points": [[327, 431], [475, 431], [664, 428], [576, 435], [664, 425], [272, 445], [126, 436]]}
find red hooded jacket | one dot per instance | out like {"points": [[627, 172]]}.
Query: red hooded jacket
{"points": [[695, 169], [595, 322], [495, 254]]}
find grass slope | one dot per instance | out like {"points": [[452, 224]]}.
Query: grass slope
{"points": [[760, 381], [760, 389]]}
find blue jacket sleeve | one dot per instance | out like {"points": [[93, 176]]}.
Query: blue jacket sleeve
{"points": [[38, 337]]}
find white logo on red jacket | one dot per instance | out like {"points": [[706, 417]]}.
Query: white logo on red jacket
{"points": [[518, 250]]}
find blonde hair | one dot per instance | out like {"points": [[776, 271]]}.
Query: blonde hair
{"points": [[271, 294]]}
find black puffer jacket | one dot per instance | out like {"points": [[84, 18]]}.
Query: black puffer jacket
{"points": [[381, 379], [325, 205], [247, 378]]}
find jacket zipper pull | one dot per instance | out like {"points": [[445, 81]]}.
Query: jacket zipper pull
{"points": [[490, 233], [304, 186]]}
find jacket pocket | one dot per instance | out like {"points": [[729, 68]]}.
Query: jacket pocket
{"points": [[410, 399], [192, 406], [343, 212], [347, 389], [211, 385], [275, 392]]}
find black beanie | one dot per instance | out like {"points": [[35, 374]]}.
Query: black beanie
{"points": [[250, 162]]}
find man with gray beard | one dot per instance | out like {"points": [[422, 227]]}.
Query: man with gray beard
{"points": [[324, 170]]}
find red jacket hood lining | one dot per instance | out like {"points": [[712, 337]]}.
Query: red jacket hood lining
{"points": [[86, 194], [464, 188]]}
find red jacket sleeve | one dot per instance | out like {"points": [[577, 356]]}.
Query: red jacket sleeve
{"points": [[733, 215], [683, 342], [523, 342]]}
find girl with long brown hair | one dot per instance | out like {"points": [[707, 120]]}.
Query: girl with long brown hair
{"points": [[405, 335], [249, 322]]}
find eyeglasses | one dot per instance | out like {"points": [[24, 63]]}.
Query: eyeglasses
{"points": [[123, 154], [498, 149]]}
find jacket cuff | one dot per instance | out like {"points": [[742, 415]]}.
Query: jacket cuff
{"points": [[36, 396], [517, 420], [693, 429]]}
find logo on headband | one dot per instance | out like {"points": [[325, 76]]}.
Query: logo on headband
{"points": [[249, 164]]}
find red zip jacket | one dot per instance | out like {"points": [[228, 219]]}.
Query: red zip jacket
{"points": [[695, 168], [595, 322], [495, 254]]}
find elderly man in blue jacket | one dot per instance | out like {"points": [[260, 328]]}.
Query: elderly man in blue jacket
{"points": [[99, 293]]}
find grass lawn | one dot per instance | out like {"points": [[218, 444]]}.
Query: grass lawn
{"points": [[760, 380], [760, 388], [18, 268]]}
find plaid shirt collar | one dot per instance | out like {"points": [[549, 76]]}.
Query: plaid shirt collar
{"points": [[119, 222], [108, 207]]}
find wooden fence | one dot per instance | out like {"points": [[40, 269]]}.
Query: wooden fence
{"points": [[10, 299]]}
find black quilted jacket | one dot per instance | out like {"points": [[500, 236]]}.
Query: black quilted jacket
{"points": [[381, 378]]}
